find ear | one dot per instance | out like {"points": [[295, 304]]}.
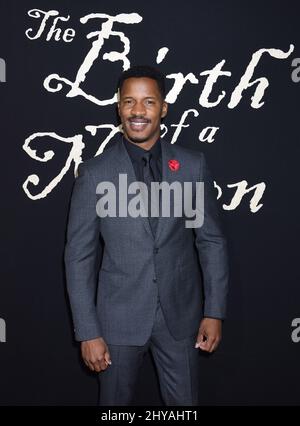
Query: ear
{"points": [[164, 110], [118, 101]]}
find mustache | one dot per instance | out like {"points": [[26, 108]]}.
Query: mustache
{"points": [[139, 118]]}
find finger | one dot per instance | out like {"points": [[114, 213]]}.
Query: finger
{"points": [[99, 365], [203, 346], [98, 368], [211, 344], [104, 364], [107, 357], [203, 340], [215, 345], [206, 345], [200, 340]]}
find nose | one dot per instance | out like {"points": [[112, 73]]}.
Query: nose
{"points": [[138, 109]]}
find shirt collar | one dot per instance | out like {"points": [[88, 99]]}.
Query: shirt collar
{"points": [[136, 152]]}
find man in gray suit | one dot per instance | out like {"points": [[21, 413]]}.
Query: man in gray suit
{"points": [[138, 282]]}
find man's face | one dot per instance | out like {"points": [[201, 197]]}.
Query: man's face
{"points": [[141, 108]]}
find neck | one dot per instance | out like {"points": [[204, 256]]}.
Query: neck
{"points": [[145, 145]]}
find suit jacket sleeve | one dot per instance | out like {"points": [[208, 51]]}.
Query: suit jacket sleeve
{"points": [[212, 250], [82, 251]]}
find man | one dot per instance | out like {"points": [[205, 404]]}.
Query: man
{"points": [[145, 282]]}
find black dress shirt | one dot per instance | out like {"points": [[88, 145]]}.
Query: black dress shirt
{"points": [[136, 153]]}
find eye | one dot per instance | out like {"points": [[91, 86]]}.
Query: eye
{"points": [[127, 101], [149, 101]]}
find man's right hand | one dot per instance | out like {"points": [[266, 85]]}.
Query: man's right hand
{"points": [[95, 354]]}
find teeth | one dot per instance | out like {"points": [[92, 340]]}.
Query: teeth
{"points": [[137, 123]]}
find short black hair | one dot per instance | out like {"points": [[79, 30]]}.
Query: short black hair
{"points": [[144, 71]]}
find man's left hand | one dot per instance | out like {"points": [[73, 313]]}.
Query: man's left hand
{"points": [[209, 335]]}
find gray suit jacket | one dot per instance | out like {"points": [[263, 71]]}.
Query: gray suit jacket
{"points": [[116, 269]]}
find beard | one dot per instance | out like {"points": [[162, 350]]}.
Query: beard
{"points": [[137, 138]]}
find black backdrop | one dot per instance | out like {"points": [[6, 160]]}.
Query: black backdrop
{"points": [[258, 360]]}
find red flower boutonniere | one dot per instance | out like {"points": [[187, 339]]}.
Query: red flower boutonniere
{"points": [[173, 165]]}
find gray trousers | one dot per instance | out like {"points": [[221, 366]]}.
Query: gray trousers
{"points": [[177, 364]]}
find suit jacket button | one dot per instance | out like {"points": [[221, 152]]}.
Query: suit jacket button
{"points": [[154, 280]]}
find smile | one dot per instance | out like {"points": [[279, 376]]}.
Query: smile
{"points": [[136, 125]]}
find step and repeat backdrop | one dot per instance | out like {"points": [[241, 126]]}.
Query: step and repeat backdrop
{"points": [[233, 87]]}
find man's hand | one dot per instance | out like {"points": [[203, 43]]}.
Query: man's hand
{"points": [[209, 335], [95, 354]]}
